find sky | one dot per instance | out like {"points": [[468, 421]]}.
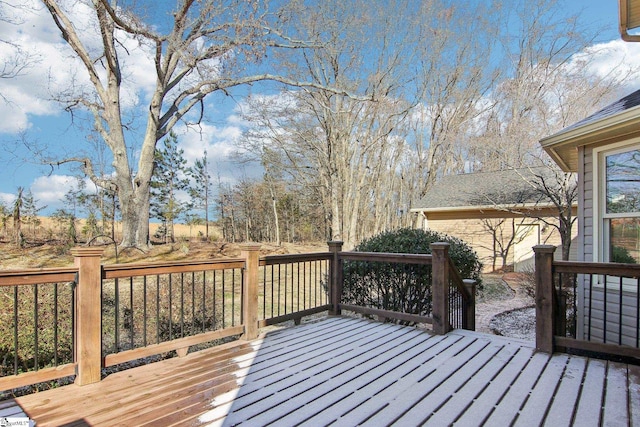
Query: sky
{"points": [[27, 113]]}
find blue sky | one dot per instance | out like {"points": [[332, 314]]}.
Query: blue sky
{"points": [[28, 114]]}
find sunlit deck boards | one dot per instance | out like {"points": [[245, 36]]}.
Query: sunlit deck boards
{"points": [[347, 372]]}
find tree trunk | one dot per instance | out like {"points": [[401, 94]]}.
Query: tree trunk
{"points": [[275, 218]]}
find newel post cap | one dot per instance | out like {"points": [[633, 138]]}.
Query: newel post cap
{"points": [[250, 246], [545, 249], [87, 251]]}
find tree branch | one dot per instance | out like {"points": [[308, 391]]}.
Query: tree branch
{"points": [[87, 168]]}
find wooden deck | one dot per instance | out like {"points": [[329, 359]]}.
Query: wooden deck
{"points": [[347, 372]]}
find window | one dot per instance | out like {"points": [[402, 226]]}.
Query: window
{"points": [[621, 201]]}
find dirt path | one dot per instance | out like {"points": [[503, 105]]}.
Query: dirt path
{"points": [[506, 293]]}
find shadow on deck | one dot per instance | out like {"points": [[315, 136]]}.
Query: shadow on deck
{"points": [[344, 371]]}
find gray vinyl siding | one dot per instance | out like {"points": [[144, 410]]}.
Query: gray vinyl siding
{"points": [[591, 300], [628, 334]]}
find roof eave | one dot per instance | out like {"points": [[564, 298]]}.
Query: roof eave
{"points": [[617, 125], [510, 207], [625, 23]]}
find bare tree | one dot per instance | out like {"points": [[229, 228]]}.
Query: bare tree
{"points": [[504, 236], [561, 189], [4, 218], [549, 84], [19, 59], [200, 188], [455, 79], [341, 145], [17, 217], [538, 188], [210, 47]]}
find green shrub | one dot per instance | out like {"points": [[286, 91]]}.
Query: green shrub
{"points": [[620, 254], [402, 287]]}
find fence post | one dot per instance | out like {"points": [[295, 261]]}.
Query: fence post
{"points": [[544, 297], [440, 287], [88, 315], [251, 253], [470, 306], [335, 279]]}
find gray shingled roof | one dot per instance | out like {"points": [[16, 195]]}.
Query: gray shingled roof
{"points": [[630, 101], [505, 187]]}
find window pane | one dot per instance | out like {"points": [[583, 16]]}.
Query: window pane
{"points": [[625, 240], [623, 182]]}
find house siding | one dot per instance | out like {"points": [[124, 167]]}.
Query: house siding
{"points": [[591, 313], [474, 232], [594, 329]]}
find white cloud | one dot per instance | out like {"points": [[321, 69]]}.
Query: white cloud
{"points": [[219, 142], [50, 190], [613, 59], [57, 70], [7, 199]]}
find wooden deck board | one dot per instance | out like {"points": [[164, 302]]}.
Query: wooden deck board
{"points": [[357, 392], [615, 405], [377, 401], [9, 408], [326, 395], [515, 394], [345, 372], [563, 406], [472, 389], [419, 401], [264, 404], [540, 397], [589, 407], [431, 402], [634, 394], [479, 409]]}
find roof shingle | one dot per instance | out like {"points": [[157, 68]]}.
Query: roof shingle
{"points": [[504, 187]]}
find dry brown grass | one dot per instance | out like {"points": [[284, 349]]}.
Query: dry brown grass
{"points": [[43, 249]]}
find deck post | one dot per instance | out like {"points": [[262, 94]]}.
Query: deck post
{"points": [[251, 253], [88, 315], [440, 287], [470, 306], [335, 279], [544, 297]]}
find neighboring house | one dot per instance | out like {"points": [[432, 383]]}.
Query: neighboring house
{"points": [[604, 149], [495, 212]]}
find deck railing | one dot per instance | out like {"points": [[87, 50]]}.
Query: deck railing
{"points": [[101, 316], [592, 307], [293, 286], [442, 299], [37, 324], [154, 308]]}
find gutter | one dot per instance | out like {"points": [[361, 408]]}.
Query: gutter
{"points": [[485, 207]]}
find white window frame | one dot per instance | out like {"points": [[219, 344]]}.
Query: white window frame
{"points": [[600, 232]]}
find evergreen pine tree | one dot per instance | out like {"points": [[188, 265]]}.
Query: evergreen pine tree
{"points": [[169, 177], [200, 188]]}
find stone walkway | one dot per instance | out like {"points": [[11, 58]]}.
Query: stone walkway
{"points": [[490, 307]]}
